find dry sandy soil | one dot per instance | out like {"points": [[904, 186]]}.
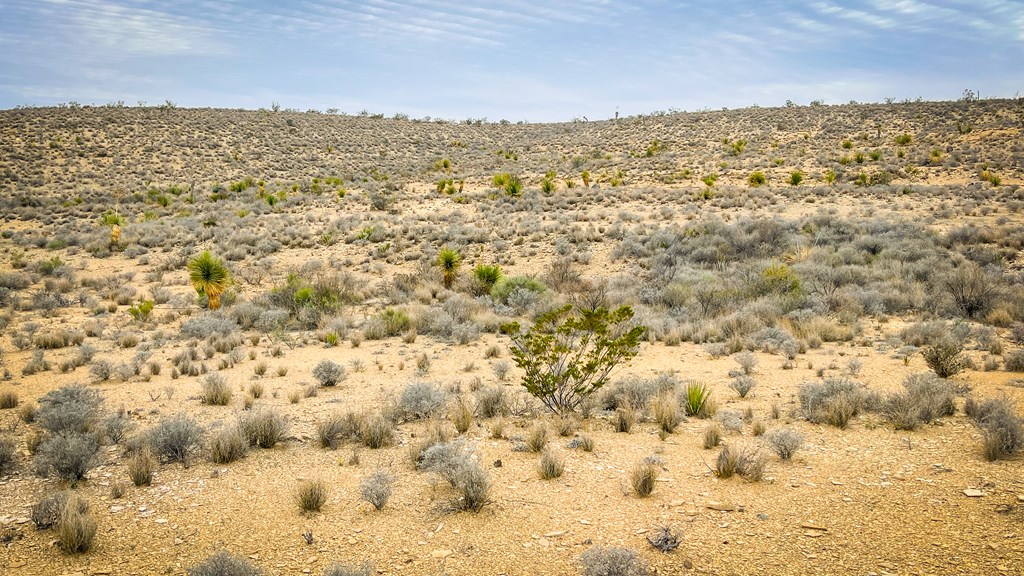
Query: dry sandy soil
{"points": [[867, 499]]}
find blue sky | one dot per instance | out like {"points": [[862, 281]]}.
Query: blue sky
{"points": [[513, 59]]}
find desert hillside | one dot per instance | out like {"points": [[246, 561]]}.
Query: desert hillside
{"points": [[252, 340]]}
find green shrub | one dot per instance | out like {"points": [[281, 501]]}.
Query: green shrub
{"points": [[696, 398], [944, 358], [569, 354], [757, 178], [486, 276], [505, 286]]}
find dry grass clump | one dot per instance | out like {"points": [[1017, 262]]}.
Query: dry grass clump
{"points": [[784, 442], [462, 414], [551, 465], [667, 412], [582, 442], [8, 399], [338, 428], [264, 428], [612, 561], [311, 495], [712, 435], [69, 515], [746, 462], [925, 398], [376, 488], [376, 431], [643, 478], [141, 466], [228, 445], [457, 463], [625, 418], [216, 391], [834, 401], [537, 437], [1003, 430], [224, 564]]}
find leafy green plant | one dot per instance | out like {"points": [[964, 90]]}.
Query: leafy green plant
{"points": [[757, 178], [695, 399], [795, 178], [487, 275], [569, 354], [140, 312]]}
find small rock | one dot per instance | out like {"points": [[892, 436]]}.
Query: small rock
{"points": [[555, 534], [497, 463], [441, 553], [813, 526], [688, 564], [724, 507], [973, 493]]}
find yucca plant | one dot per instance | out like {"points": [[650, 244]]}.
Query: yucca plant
{"points": [[209, 277], [487, 275], [449, 261]]}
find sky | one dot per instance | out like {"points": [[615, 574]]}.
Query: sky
{"points": [[538, 61]]}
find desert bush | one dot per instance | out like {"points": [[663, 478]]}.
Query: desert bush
{"points": [[224, 564], [569, 355], [743, 385], [376, 431], [8, 400], [7, 452], [141, 466], [582, 442], [311, 495], [204, 326], [75, 526], [337, 428], [48, 511], [216, 391], [28, 412], [834, 401], [176, 439], [644, 478], [376, 488], [486, 276], [462, 414], [1014, 361], [506, 286], [944, 358], [492, 401], [747, 362], [328, 373], [784, 442], [925, 398], [624, 419], [68, 455], [612, 561], [551, 465], [365, 569], [421, 400], [228, 445], [666, 411], [1003, 430], [712, 435], [264, 428], [116, 426], [456, 463], [973, 291], [69, 409]]}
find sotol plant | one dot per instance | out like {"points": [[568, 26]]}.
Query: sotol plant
{"points": [[569, 354], [449, 261]]}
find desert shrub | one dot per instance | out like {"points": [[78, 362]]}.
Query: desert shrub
{"points": [[376, 431], [747, 362], [582, 442], [1003, 430], [328, 373], [116, 426], [612, 561], [492, 401], [537, 437], [834, 401], [216, 391], [743, 385], [68, 455], [462, 414], [48, 511], [69, 409], [486, 276], [224, 564], [784, 442], [973, 291], [365, 569], [712, 435], [206, 325], [264, 428], [644, 478], [311, 495], [568, 355], [437, 433], [551, 465], [141, 466], [7, 452], [696, 399], [421, 400], [944, 358], [456, 463], [228, 445], [376, 488], [336, 429], [506, 286], [28, 412], [624, 419], [925, 398], [1014, 361], [76, 527], [666, 411], [8, 400], [176, 439]]}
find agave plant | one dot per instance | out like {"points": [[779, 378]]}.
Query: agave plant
{"points": [[209, 277]]}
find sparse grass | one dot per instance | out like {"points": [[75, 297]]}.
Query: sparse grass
{"points": [[375, 431], [8, 400], [311, 495], [224, 564], [712, 435], [76, 527], [667, 411], [462, 414], [537, 437], [551, 465], [612, 561], [141, 466], [216, 391], [337, 428], [643, 479], [264, 429], [625, 418], [7, 453], [377, 488], [228, 445], [784, 442]]}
